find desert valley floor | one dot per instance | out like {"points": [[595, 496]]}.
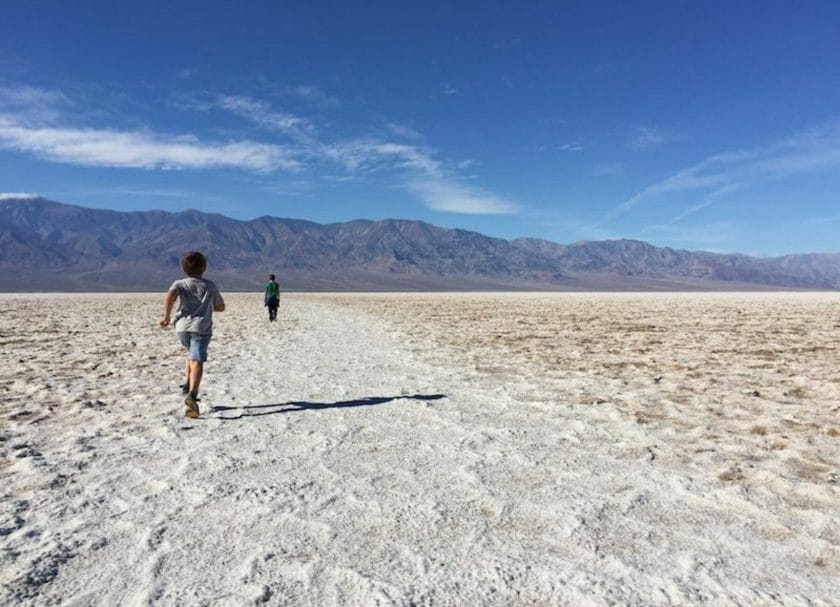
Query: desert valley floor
{"points": [[424, 449]]}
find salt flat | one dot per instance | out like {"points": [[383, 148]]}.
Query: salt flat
{"points": [[584, 449]]}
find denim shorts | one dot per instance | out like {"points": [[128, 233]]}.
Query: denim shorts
{"points": [[196, 343]]}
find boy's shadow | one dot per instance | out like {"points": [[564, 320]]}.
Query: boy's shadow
{"points": [[302, 405]]}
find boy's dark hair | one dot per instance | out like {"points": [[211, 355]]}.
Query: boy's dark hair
{"points": [[194, 264], [271, 276]]}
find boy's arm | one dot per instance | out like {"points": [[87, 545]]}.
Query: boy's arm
{"points": [[219, 303], [168, 302]]}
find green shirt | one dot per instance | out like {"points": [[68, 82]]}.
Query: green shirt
{"points": [[272, 290]]}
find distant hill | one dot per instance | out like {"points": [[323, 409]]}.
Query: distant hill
{"points": [[47, 245]]}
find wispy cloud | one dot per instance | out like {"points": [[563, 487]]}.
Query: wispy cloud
{"points": [[261, 114], [707, 201], [295, 145], [27, 96], [405, 132], [32, 104], [311, 94], [424, 175], [146, 150], [408, 156], [573, 146], [374, 154], [447, 90], [814, 150], [643, 138], [365, 154], [443, 195], [17, 196], [315, 95]]}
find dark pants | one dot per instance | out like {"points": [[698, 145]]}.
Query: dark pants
{"points": [[272, 305]]}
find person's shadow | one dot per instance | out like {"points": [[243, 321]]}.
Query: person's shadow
{"points": [[302, 405]]}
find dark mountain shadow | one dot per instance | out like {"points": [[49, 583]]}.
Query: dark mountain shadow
{"points": [[302, 405]]}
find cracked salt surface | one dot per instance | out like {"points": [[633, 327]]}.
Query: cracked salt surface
{"points": [[354, 453]]}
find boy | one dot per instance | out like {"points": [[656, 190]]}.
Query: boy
{"points": [[198, 299], [272, 297]]}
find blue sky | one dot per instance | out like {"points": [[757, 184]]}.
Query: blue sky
{"points": [[697, 125]]}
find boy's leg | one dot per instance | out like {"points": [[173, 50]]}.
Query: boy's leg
{"points": [[196, 372], [185, 387], [186, 341], [191, 401]]}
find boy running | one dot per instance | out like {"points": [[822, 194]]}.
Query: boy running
{"points": [[198, 298]]}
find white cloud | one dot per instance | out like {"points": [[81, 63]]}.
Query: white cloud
{"points": [[811, 151], [408, 156], [132, 149], [45, 134], [26, 96], [643, 138], [32, 104], [403, 131], [261, 114], [448, 196], [573, 146], [706, 202], [315, 95], [17, 196], [447, 90], [374, 154], [679, 182], [145, 149]]}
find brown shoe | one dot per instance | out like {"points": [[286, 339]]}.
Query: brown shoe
{"points": [[192, 406]]}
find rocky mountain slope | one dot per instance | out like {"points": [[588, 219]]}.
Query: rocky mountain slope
{"points": [[46, 245]]}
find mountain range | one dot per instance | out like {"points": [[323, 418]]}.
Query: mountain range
{"points": [[50, 246]]}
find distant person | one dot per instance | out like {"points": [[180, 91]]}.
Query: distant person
{"points": [[198, 298], [272, 297]]}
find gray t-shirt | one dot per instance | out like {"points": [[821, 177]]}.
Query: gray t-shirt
{"points": [[196, 297]]}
